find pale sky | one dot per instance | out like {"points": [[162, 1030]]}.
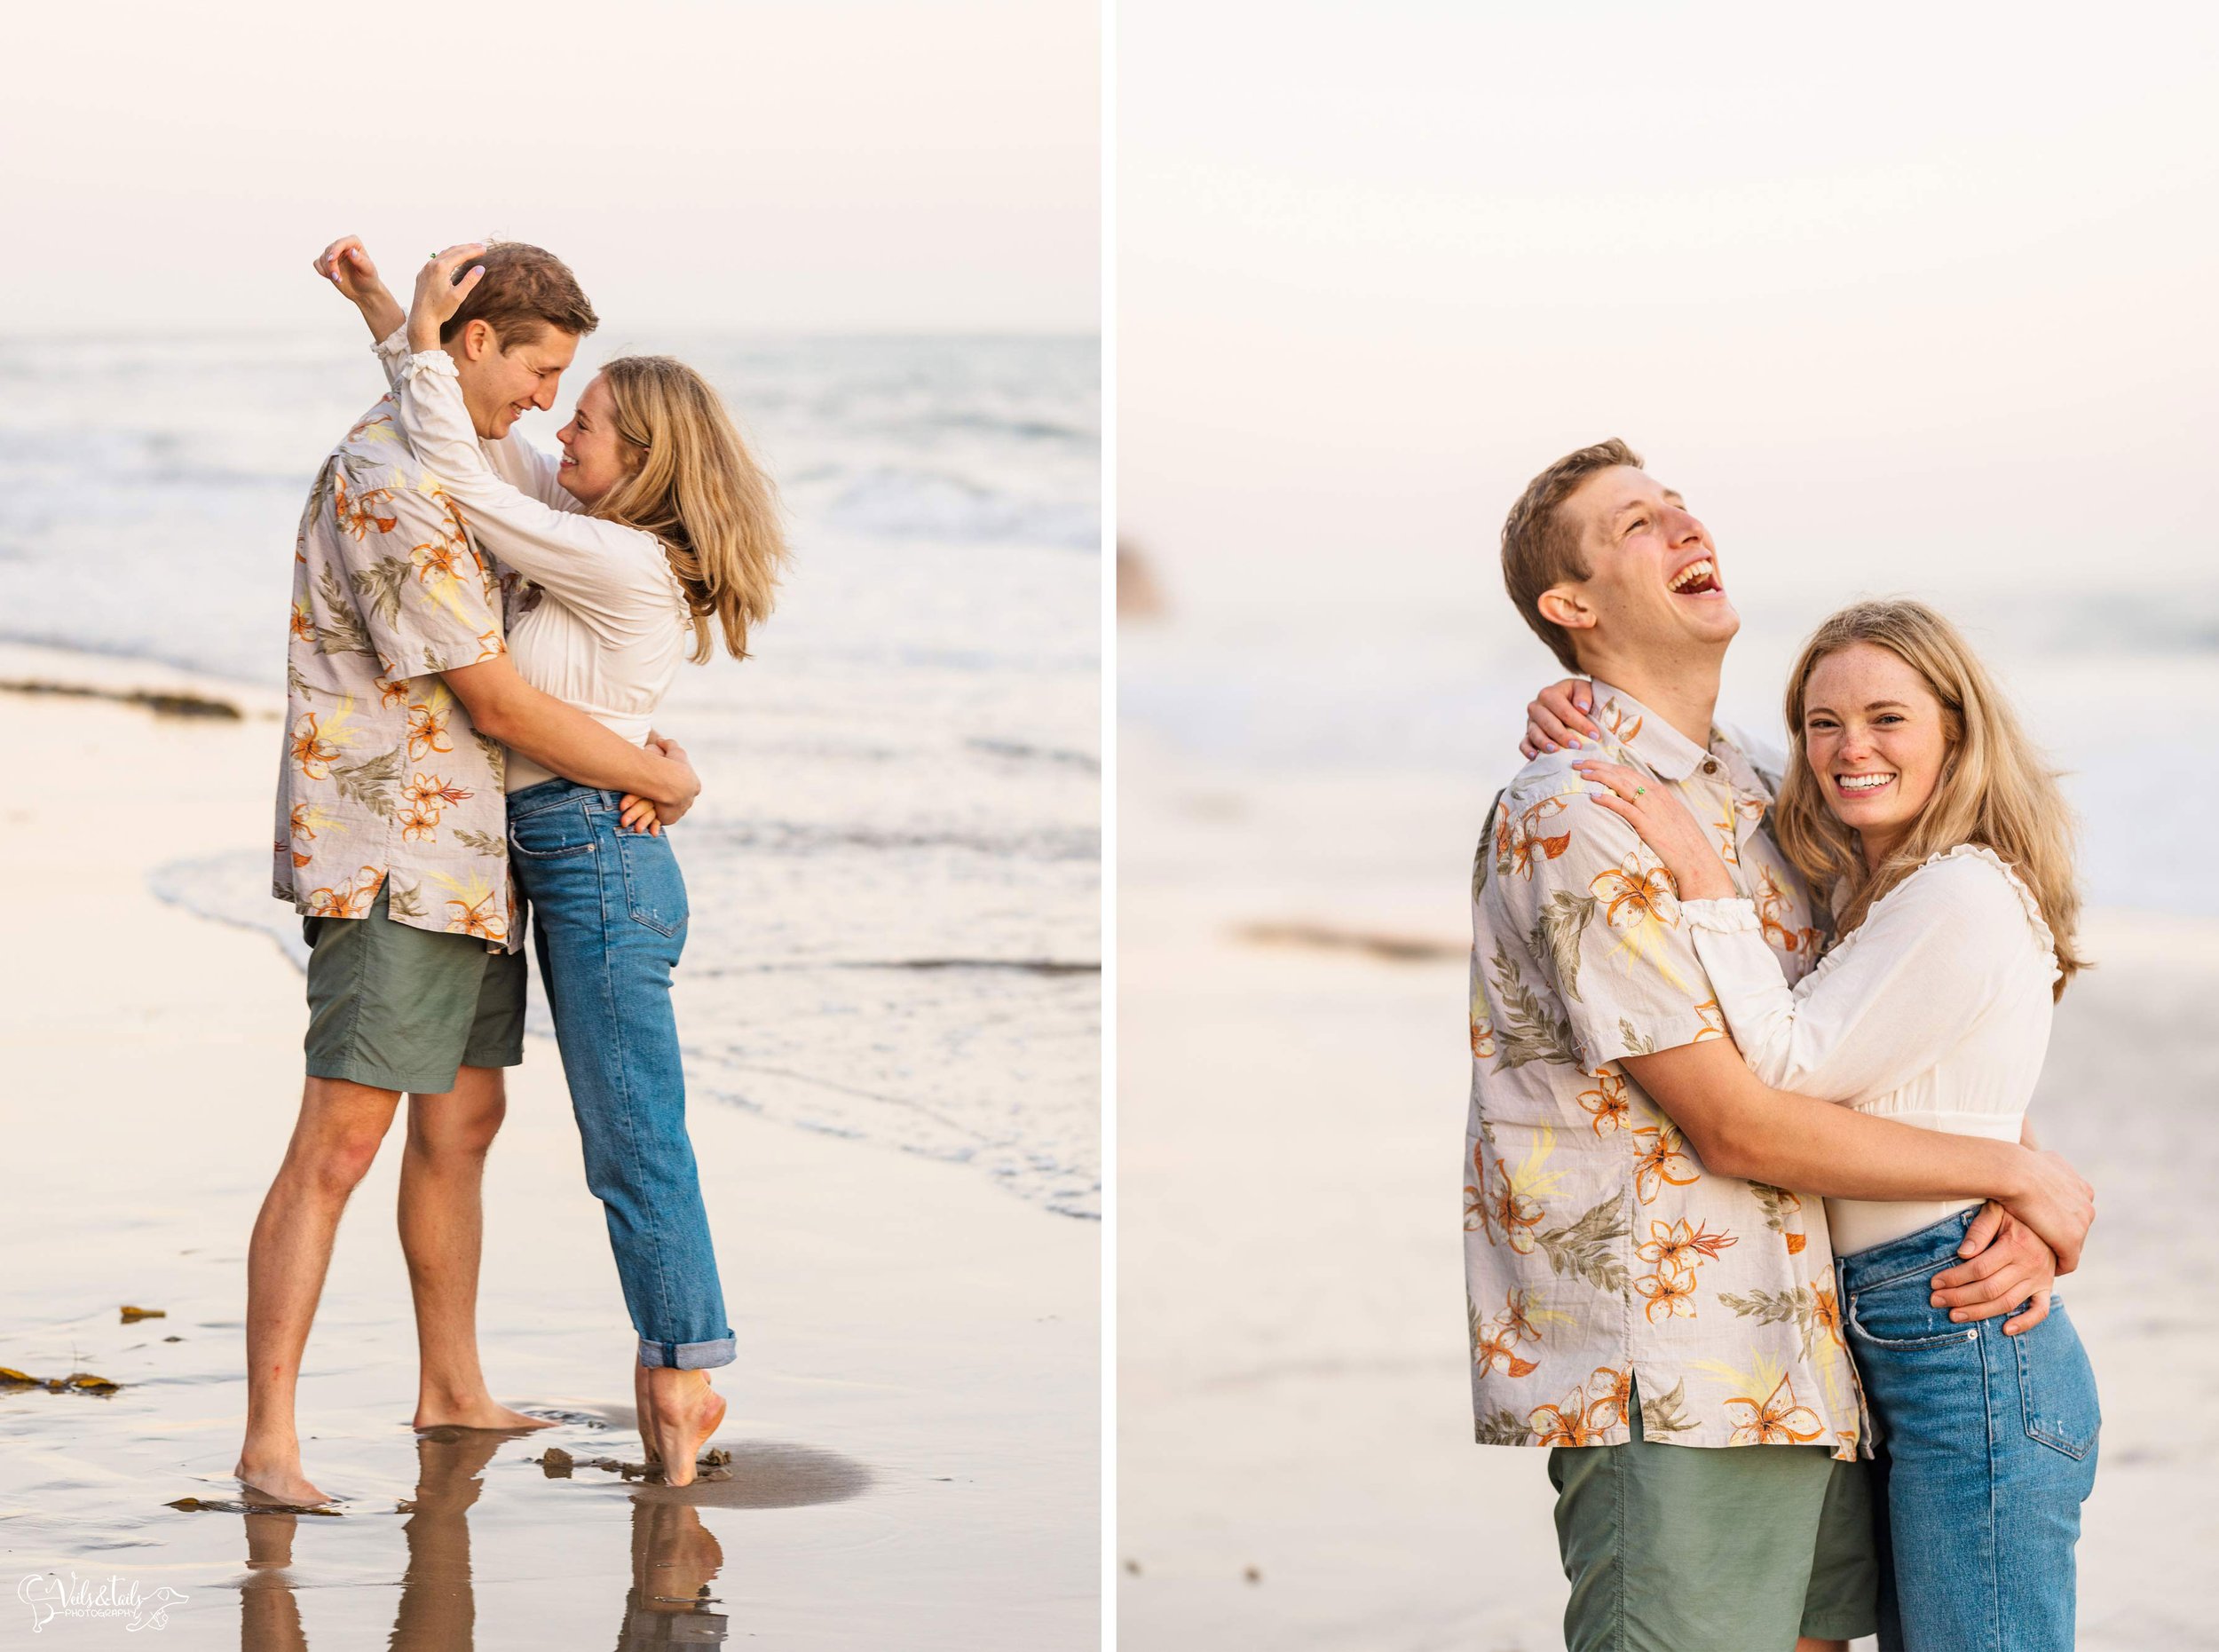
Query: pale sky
{"points": [[1889, 292], [800, 165]]}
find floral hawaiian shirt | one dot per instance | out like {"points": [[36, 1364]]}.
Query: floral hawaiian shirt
{"points": [[384, 783], [1597, 1250]]}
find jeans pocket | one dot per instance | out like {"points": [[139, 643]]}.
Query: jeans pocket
{"points": [[552, 834], [1895, 1314], [2057, 1387], [654, 890]]}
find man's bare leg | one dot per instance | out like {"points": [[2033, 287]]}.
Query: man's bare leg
{"points": [[442, 1229], [333, 1142]]}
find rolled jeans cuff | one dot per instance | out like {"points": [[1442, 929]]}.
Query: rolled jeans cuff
{"points": [[688, 1355]]}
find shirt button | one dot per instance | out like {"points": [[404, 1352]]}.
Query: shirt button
{"points": [[1710, 765]]}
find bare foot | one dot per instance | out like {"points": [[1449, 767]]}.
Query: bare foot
{"points": [[643, 1404], [279, 1479], [481, 1413], [687, 1412]]}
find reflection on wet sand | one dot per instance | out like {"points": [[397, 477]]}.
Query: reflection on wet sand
{"points": [[438, 1610], [675, 1561]]}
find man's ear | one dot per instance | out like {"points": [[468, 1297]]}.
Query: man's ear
{"points": [[1566, 605], [478, 340]]}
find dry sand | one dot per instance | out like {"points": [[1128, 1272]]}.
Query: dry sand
{"points": [[1294, 1437], [914, 1414]]}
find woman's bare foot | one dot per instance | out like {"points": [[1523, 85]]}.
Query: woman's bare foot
{"points": [[278, 1478], [686, 1412], [479, 1412], [643, 1404]]}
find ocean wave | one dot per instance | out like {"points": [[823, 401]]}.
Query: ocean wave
{"points": [[779, 1038], [891, 503], [808, 837]]}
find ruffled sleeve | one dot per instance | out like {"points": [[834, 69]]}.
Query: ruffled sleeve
{"points": [[616, 577], [1929, 957]]}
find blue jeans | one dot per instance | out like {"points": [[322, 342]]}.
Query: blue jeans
{"points": [[1987, 1449], [608, 922]]}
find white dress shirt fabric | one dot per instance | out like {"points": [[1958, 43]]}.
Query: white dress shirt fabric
{"points": [[1935, 1011], [610, 627]]}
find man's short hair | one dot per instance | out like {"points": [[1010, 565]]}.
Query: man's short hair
{"points": [[1541, 549], [524, 291]]}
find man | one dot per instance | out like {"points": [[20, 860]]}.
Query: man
{"points": [[1667, 1326], [391, 843]]}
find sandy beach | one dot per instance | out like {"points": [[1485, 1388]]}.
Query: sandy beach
{"points": [[915, 1415], [1295, 1460]]}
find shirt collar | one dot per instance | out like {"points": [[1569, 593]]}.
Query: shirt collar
{"points": [[1659, 747], [1670, 755]]}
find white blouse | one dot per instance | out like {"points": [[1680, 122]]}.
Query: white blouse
{"points": [[609, 632], [1934, 1011]]}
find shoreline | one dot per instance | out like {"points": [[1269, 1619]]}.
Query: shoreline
{"points": [[914, 1419], [228, 888]]}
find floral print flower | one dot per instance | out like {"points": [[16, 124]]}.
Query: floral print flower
{"points": [[1633, 894], [1777, 1420], [1607, 1103], [1660, 1163]]}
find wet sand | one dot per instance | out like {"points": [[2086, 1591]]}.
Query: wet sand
{"points": [[914, 1414], [1295, 1464]]}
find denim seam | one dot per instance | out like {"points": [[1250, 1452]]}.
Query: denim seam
{"points": [[665, 1296], [1996, 1550]]}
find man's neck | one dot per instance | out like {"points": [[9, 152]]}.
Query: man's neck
{"points": [[1682, 689]]}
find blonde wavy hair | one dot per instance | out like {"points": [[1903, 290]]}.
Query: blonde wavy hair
{"points": [[1994, 789], [698, 490]]}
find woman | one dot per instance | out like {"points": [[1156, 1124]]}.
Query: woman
{"points": [[655, 524], [1920, 811]]}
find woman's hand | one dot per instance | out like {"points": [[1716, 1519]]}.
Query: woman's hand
{"points": [[2009, 1267], [346, 265], [1665, 826], [2057, 1204], [644, 814], [1558, 718], [438, 294]]}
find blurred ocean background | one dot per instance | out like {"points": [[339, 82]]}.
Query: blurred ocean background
{"points": [[894, 866], [1377, 686]]}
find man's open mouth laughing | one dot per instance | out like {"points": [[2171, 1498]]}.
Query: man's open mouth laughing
{"points": [[1699, 578]]}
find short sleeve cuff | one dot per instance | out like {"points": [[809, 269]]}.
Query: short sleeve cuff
{"points": [[1732, 915], [1597, 1044]]}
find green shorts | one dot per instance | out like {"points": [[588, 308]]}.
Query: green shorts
{"points": [[1671, 1548], [404, 1009]]}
